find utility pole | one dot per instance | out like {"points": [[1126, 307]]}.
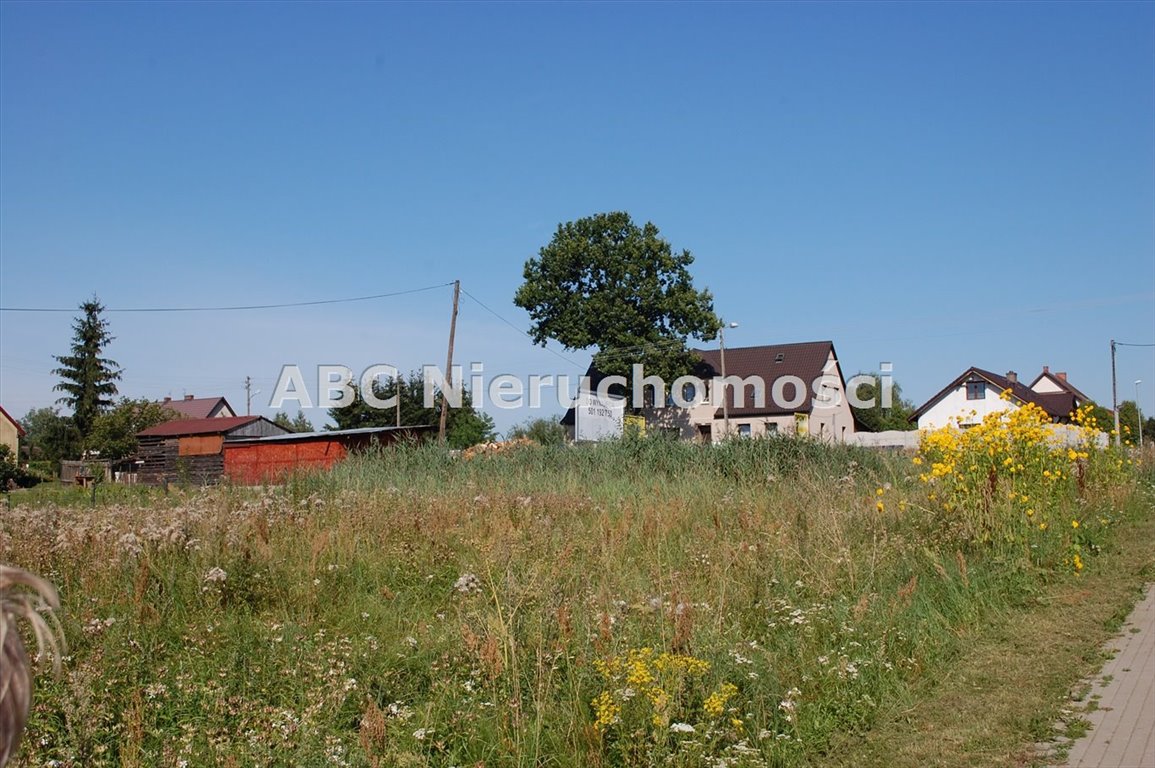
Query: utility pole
{"points": [[1115, 396], [722, 354], [449, 362], [248, 396], [397, 394]]}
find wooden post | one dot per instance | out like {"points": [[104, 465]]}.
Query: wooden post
{"points": [[449, 362]]}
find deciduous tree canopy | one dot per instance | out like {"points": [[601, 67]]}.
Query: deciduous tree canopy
{"points": [[605, 282]]}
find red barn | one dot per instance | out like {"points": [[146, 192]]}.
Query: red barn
{"points": [[192, 450], [269, 459]]}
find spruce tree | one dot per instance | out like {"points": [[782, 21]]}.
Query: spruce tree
{"points": [[88, 380]]}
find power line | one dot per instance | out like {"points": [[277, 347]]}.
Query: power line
{"points": [[605, 354], [239, 308], [1125, 344], [481, 304]]}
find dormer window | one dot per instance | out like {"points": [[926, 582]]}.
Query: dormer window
{"points": [[976, 390]]}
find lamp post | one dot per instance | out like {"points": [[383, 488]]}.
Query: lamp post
{"points": [[722, 352], [1139, 413]]}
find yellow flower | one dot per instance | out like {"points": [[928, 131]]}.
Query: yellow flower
{"points": [[1042, 526], [880, 506], [1074, 523], [715, 703], [607, 710]]}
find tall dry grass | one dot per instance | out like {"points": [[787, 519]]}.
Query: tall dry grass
{"points": [[411, 608]]}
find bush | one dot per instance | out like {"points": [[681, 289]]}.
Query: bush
{"points": [[12, 475]]}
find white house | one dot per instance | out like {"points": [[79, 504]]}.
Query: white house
{"points": [[785, 389], [977, 392]]}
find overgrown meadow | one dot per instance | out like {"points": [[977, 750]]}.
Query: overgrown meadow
{"points": [[635, 603]]}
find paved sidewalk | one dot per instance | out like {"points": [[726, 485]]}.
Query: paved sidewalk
{"points": [[1123, 726]]}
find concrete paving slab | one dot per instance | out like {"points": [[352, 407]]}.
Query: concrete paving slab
{"points": [[1122, 731]]}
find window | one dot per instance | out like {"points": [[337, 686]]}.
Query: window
{"points": [[779, 357], [744, 430], [771, 427], [976, 390]]}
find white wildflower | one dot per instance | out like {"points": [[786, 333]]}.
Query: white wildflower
{"points": [[215, 574], [467, 583]]}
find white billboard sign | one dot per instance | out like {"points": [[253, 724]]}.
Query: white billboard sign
{"points": [[598, 418]]}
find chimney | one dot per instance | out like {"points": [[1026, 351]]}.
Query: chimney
{"points": [[167, 400], [1012, 377], [188, 397], [1046, 369], [1062, 376]]}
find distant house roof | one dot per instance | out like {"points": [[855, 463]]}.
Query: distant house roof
{"points": [[184, 427], [1060, 381], [198, 407], [1057, 405], [805, 360], [19, 429]]}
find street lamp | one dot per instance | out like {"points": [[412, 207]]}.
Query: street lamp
{"points": [[722, 351], [1139, 413]]}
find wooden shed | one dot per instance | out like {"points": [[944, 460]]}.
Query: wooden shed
{"points": [[269, 459], [193, 450]]}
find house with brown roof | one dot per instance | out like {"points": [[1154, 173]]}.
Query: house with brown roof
{"points": [[978, 392], [774, 389], [200, 407], [193, 450], [10, 432]]}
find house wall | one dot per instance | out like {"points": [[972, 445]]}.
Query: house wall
{"points": [[1044, 385], [9, 436], [832, 422], [955, 403], [685, 420]]}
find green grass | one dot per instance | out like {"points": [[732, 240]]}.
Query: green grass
{"points": [[415, 608]]}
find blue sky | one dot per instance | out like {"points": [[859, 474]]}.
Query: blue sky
{"points": [[937, 185]]}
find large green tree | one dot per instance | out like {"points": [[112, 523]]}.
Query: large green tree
{"points": [[878, 418], [1129, 422], [88, 379], [605, 282], [464, 426], [49, 437], [113, 434]]}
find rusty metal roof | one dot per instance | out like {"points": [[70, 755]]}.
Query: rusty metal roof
{"points": [[331, 433], [182, 427]]}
